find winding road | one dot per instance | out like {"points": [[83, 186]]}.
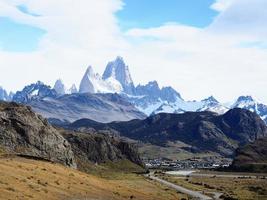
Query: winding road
{"points": [[183, 190]]}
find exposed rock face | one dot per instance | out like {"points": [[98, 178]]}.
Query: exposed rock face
{"points": [[59, 87], [26, 133], [4, 96], [86, 85], [252, 157], [119, 71], [93, 83], [34, 92], [205, 131], [247, 102], [99, 148], [153, 91], [73, 89]]}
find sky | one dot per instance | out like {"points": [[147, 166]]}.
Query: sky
{"points": [[199, 47]]}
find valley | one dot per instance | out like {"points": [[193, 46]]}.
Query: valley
{"points": [[133, 100], [224, 185], [92, 160]]}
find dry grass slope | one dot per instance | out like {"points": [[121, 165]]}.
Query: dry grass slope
{"points": [[22, 178]]}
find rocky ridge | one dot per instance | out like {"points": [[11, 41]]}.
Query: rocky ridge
{"points": [[201, 131]]}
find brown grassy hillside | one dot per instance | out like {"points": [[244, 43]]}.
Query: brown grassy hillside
{"points": [[22, 178]]}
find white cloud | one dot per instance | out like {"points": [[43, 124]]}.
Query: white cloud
{"points": [[78, 33], [221, 5], [243, 18], [197, 62]]}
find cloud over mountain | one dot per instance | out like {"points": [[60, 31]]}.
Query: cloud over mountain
{"points": [[230, 51]]}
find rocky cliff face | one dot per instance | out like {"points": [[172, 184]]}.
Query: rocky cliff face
{"points": [[247, 102], [3, 95], [99, 148], [119, 71], [59, 87], [26, 133], [35, 91]]}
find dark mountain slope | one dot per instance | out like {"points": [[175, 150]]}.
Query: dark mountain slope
{"points": [[205, 131], [252, 157]]}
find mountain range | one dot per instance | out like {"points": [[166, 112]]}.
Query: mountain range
{"points": [[70, 104], [197, 132]]}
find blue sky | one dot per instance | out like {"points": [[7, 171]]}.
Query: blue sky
{"points": [[147, 13], [135, 14], [18, 37]]}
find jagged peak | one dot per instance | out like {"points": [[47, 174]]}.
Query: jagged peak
{"points": [[116, 66], [73, 89], [73, 86], [89, 71], [210, 99], [60, 87], [59, 81], [153, 84], [245, 98], [119, 59], [150, 85], [118, 70], [39, 83]]}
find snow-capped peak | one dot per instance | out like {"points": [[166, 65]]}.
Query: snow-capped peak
{"points": [[73, 89], [120, 72], [89, 71], [93, 83], [4, 95], [86, 85], [244, 102], [60, 87], [245, 98], [210, 99], [249, 103], [34, 91]]}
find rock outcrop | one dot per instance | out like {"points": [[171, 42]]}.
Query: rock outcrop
{"points": [[99, 148], [25, 133], [119, 71]]}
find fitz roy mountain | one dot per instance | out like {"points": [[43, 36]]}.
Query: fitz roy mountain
{"points": [[118, 71], [94, 83], [115, 91]]}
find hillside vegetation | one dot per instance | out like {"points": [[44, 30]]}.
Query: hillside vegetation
{"points": [[22, 178]]}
